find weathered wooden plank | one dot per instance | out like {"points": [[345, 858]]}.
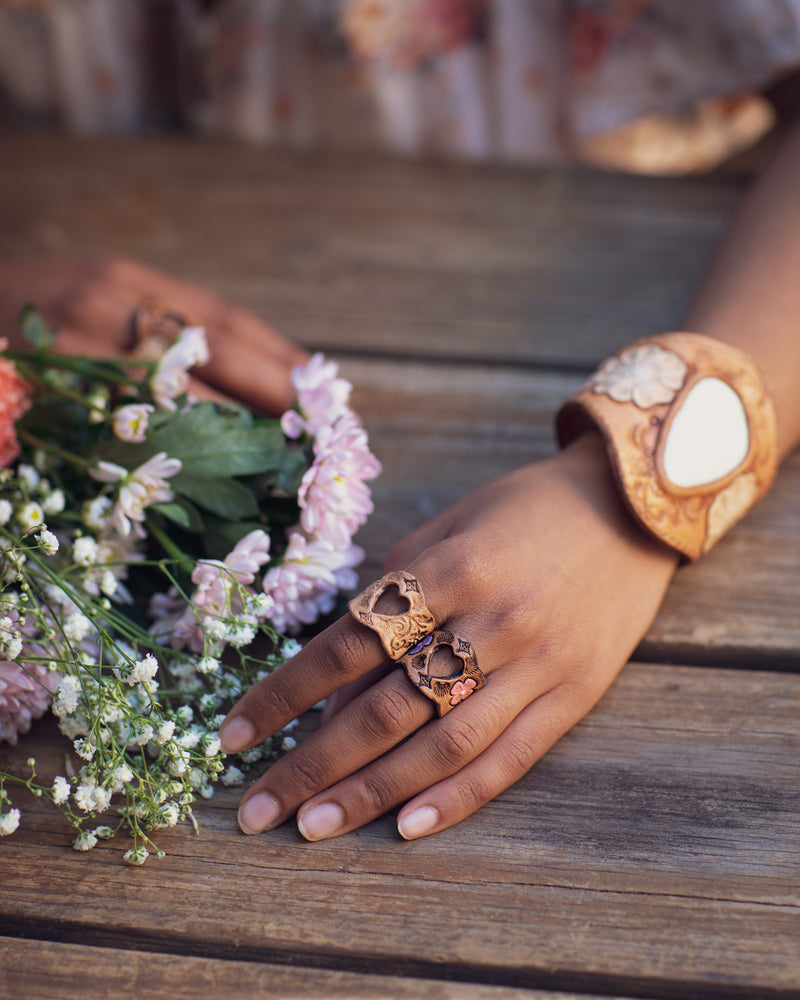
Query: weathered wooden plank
{"points": [[379, 255], [434, 260], [654, 851], [469, 423], [45, 970]]}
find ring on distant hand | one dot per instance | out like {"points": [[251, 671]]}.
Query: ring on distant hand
{"points": [[444, 692], [401, 631], [154, 327]]}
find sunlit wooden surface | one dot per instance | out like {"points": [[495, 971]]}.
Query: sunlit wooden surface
{"points": [[655, 852]]}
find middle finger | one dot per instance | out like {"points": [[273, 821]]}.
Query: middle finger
{"points": [[370, 725], [362, 733]]}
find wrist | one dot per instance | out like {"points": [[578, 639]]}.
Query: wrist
{"points": [[585, 461]]}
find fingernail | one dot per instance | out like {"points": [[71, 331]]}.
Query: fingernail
{"points": [[321, 821], [259, 813], [236, 734], [418, 823]]}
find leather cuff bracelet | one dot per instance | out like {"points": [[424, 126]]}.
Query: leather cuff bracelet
{"points": [[691, 431]]}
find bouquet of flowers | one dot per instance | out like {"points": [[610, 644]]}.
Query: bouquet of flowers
{"points": [[155, 551]]}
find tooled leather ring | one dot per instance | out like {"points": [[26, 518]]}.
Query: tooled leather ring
{"points": [[444, 692], [411, 637], [397, 632]]}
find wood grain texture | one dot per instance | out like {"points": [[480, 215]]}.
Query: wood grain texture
{"points": [[655, 850], [451, 261], [43, 970], [442, 262], [737, 605]]}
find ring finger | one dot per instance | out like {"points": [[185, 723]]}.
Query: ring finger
{"points": [[437, 751], [342, 653], [369, 726]]}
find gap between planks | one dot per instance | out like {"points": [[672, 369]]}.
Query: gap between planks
{"points": [[396, 979]]}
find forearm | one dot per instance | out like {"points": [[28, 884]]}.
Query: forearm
{"points": [[751, 296]]}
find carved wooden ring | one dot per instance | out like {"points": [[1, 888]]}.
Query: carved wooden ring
{"points": [[398, 633], [444, 692]]}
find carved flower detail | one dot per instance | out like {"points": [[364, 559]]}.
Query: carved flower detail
{"points": [[645, 375], [461, 690]]}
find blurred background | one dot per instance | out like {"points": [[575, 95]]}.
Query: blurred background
{"points": [[652, 86]]}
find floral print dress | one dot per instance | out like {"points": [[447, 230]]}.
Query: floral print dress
{"points": [[513, 80]]}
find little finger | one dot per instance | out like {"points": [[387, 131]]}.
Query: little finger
{"points": [[525, 741], [437, 751]]}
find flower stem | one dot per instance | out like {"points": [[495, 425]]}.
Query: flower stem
{"points": [[108, 369], [170, 547], [36, 442]]}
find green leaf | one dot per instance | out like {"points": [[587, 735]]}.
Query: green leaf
{"points": [[182, 513], [174, 512], [291, 471], [34, 329], [226, 498], [213, 444]]}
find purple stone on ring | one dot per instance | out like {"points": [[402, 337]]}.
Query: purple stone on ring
{"points": [[419, 646]]}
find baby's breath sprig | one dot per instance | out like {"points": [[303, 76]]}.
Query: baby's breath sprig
{"points": [[154, 552]]}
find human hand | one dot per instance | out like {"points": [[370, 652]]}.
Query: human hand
{"points": [[92, 302], [553, 583]]}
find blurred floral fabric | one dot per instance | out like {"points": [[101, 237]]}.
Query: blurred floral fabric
{"points": [[651, 84]]}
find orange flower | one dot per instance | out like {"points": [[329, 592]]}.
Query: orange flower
{"points": [[15, 400]]}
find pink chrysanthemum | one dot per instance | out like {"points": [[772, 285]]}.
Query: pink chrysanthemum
{"points": [[333, 496], [25, 695], [305, 585], [321, 397]]}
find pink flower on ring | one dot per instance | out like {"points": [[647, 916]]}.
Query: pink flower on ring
{"points": [[461, 690]]}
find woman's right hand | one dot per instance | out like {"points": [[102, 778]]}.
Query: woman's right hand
{"points": [[547, 575], [92, 303]]}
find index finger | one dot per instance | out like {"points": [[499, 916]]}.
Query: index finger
{"points": [[340, 654]]}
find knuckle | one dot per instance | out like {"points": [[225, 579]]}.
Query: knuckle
{"points": [[471, 567], [472, 793], [380, 794], [399, 554], [346, 650], [468, 561], [387, 713], [275, 702], [522, 753], [307, 773], [457, 744]]}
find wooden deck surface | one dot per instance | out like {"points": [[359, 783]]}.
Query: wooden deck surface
{"points": [[655, 852]]}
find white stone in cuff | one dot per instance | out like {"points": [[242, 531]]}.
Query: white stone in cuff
{"points": [[709, 436]]}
